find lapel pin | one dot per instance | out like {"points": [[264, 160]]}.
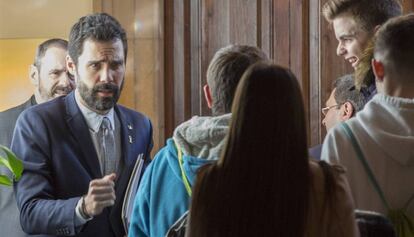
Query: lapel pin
{"points": [[129, 126], [130, 139]]}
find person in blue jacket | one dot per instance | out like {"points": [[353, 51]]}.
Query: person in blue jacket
{"points": [[165, 190]]}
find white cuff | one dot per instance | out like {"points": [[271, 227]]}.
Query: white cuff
{"points": [[80, 219]]}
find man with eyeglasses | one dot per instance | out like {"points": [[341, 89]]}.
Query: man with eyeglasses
{"points": [[343, 103]]}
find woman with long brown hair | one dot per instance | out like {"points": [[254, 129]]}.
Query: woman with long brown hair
{"points": [[264, 183]]}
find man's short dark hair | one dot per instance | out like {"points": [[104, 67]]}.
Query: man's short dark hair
{"points": [[394, 42], [368, 13], [225, 71], [345, 90], [100, 27], [43, 47]]}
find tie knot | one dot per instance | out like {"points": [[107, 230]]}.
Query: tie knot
{"points": [[106, 124]]}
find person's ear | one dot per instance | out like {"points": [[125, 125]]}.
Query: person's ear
{"points": [[376, 28], [70, 65], [378, 69], [348, 111], [34, 75], [208, 97]]}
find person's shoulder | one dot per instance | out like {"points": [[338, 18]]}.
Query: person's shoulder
{"points": [[338, 134], [48, 112], [14, 111], [52, 107], [336, 144], [159, 169], [319, 170], [10, 114], [166, 151], [316, 168], [166, 157], [126, 110], [130, 113], [333, 138]]}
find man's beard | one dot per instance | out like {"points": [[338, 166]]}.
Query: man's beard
{"points": [[55, 91], [96, 102]]}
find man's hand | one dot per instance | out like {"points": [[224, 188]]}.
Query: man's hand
{"points": [[101, 194]]}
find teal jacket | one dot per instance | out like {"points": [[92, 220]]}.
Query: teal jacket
{"points": [[162, 197]]}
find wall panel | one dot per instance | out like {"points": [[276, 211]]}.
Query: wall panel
{"points": [[144, 88], [278, 27], [292, 32]]}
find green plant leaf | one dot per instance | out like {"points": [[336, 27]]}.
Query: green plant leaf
{"points": [[12, 163], [5, 180]]}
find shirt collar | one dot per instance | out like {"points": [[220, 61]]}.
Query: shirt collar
{"points": [[93, 119]]}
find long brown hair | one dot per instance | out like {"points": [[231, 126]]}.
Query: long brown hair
{"points": [[260, 185], [364, 76]]}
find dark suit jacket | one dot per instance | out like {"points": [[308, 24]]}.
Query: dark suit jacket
{"points": [[60, 160], [9, 214], [8, 120]]}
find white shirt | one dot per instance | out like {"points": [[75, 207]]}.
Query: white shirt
{"points": [[94, 120]]}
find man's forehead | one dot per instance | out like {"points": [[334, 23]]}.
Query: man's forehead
{"points": [[346, 24], [341, 25], [53, 56], [103, 48], [55, 51]]}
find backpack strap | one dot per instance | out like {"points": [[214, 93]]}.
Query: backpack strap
{"points": [[364, 162], [181, 163]]}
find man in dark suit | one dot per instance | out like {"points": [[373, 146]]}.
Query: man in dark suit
{"points": [[50, 77], [79, 150]]}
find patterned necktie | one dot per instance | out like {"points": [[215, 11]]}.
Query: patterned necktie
{"points": [[108, 148]]}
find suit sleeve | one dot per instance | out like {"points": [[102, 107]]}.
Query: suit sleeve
{"points": [[40, 211]]}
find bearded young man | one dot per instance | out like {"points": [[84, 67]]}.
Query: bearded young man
{"points": [[78, 151]]}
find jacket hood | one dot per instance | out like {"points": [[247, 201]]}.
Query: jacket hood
{"points": [[201, 141], [389, 122], [203, 137]]}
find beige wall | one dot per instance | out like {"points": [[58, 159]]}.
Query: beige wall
{"points": [[143, 90], [40, 18]]}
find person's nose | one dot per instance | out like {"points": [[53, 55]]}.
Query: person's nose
{"points": [[324, 121], [106, 75], [340, 49], [65, 80]]}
